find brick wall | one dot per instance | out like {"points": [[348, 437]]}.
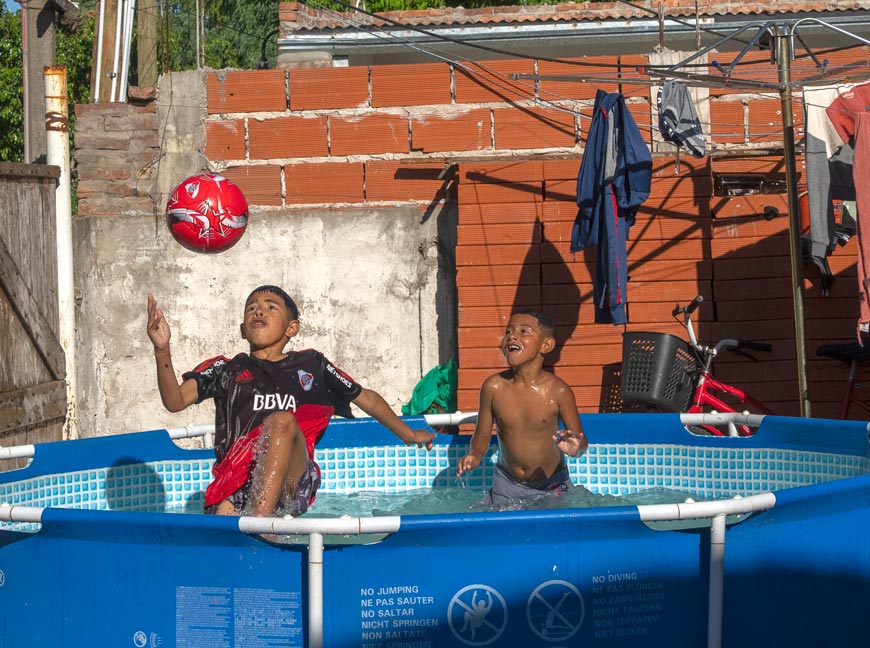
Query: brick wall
{"points": [[417, 134]]}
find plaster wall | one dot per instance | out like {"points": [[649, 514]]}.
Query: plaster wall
{"points": [[372, 284]]}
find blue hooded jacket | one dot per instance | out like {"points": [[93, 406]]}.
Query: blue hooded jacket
{"points": [[614, 180]]}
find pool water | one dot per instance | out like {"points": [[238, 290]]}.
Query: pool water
{"points": [[459, 499]]}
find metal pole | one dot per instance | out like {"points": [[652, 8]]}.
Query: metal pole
{"points": [[717, 581], [315, 590], [784, 56]]}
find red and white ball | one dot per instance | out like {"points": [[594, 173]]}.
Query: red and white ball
{"points": [[207, 213]]}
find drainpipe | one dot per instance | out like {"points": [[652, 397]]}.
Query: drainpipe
{"points": [[25, 80], [717, 580], [57, 144]]}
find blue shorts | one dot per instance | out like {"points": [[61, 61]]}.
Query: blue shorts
{"points": [[505, 489]]}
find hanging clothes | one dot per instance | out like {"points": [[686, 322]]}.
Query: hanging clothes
{"points": [[850, 115], [861, 169], [822, 143], [613, 181], [678, 119], [843, 111]]}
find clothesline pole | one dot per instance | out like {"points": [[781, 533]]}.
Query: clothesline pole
{"points": [[784, 56]]}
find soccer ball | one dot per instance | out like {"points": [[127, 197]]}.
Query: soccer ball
{"points": [[207, 213]]}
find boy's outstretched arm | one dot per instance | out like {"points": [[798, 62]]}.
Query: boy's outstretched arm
{"points": [[572, 441], [482, 432], [175, 397], [373, 404]]}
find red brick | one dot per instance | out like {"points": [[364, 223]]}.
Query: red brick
{"points": [[500, 172], [330, 182], [498, 254], [748, 67], [561, 190], [498, 295], [328, 88], [631, 66], [502, 234], [368, 135], [562, 169], [500, 192], [533, 128], [503, 275], [225, 140], [595, 68], [642, 114], [488, 81], [751, 207], [768, 164], [260, 184], [246, 91], [389, 180], [468, 131], [410, 85], [494, 214], [765, 120], [726, 122], [287, 137]]}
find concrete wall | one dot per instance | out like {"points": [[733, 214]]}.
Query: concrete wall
{"points": [[374, 285]]}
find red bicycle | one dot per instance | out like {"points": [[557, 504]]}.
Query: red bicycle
{"points": [[661, 372]]}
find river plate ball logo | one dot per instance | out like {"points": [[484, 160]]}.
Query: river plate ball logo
{"points": [[207, 213]]}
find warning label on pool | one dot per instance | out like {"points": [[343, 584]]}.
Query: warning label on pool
{"points": [[624, 606], [223, 617], [397, 616]]}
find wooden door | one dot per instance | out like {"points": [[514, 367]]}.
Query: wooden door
{"points": [[32, 367]]}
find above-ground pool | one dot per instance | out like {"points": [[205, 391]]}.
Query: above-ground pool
{"points": [[772, 548]]}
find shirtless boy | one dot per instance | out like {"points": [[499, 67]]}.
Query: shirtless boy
{"points": [[526, 403]]}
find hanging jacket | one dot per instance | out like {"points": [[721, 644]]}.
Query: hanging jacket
{"points": [[614, 180]]}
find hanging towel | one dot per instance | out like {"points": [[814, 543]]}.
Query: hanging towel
{"points": [[613, 181], [678, 120], [861, 169]]}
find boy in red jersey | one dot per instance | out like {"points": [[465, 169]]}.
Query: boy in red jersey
{"points": [[271, 408]]}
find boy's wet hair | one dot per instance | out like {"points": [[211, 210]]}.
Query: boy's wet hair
{"points": [[278, 292], [544, 322]]}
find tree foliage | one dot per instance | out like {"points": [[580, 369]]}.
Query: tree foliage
{"points": [[11, 81], [73, 51], [231, 33]]}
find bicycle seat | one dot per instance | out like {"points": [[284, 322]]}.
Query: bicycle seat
{"points": [[847, 352]]}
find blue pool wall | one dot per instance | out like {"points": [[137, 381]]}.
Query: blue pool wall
{"points": [[797, 575]]}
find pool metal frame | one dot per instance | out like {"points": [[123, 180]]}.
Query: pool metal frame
{"points": [[316, 530]]}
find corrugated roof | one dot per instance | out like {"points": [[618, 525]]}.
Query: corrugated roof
{"points": [[297, 16]]}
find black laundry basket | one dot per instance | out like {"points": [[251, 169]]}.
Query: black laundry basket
{"points": [[657, 371]]}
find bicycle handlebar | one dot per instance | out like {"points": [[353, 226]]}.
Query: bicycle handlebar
{"points": [[727, 343], [689, 309]]}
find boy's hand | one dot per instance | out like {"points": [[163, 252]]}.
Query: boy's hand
{"points": [[158, 327], [468, 462], [570, 442], [421, 438]]}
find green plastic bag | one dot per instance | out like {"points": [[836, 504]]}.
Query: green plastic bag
{"points": [[436, 391]]}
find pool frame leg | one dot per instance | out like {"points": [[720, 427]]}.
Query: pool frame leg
{"points": [[717, 579], [315, 590]]}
